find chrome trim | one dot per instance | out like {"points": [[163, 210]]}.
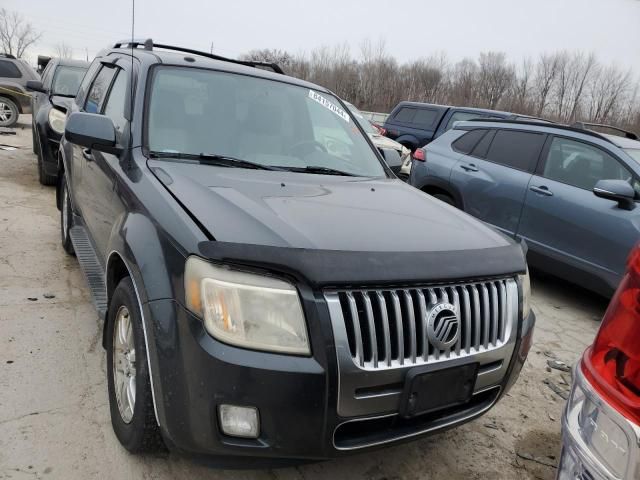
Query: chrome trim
{"points": [[356, 373], [144, 326], [447, 424]]}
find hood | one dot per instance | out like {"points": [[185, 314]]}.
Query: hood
{"points": [[297, 210], [380, 141]]}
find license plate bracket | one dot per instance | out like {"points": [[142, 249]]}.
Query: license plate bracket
{"points": [[432, 388]]}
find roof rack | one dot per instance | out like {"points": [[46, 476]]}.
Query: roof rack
{"points": [[627, 133], [149, 45], [8, 55], [560, 126]]}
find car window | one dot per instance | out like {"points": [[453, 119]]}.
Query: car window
{"points": [[581, 165], [67, 80], [114, 107], [461, 116], [46, 75], [364, 123], [9, 70], [482, 147], [98, 90], [516, 149], [86, 82], [193, 111], [468, 141], [405, 115], [425, 117]]}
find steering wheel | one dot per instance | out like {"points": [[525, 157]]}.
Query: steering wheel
{"points": [[307, 146]]}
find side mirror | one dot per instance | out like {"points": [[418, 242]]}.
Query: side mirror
{"points": [[93, 131], [618, 191], [392, 158], [35, 86]]}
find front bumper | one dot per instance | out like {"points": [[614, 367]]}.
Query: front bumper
{"points": [[297, 397], [597, 442]]}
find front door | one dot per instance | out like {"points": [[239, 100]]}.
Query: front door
{"points": [[564, 221]]}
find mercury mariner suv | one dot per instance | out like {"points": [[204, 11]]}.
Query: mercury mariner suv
{"points": [[266, 295]]}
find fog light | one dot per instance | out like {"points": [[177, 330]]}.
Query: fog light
{"points": [[239, 421]]}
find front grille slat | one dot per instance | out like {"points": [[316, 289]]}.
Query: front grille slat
{"points": [[388, 327]]}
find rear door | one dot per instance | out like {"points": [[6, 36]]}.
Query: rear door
{"points": [[565, 222], [493, 179]]}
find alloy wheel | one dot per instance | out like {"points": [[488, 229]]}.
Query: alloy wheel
{"points": [[124, 364]]}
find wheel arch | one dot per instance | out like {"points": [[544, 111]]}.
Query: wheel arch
{"points": [[435, 186]]}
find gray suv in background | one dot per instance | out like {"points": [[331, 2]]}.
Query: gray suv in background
{"points": [[571, 193], [14, 98]]}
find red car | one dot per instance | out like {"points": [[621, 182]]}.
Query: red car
{"points": [[601, 423]]}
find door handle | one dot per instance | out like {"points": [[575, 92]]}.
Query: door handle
{"points": [[86, 153], [469, 168], [542, 190]]}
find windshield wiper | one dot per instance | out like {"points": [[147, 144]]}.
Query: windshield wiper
{"points": [[214, 159], [320, 170]]}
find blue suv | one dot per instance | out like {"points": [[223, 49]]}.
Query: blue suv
{"points": [[571, 193]]}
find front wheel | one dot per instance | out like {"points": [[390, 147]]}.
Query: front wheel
{"points": [[130, 399], [66, 214]]}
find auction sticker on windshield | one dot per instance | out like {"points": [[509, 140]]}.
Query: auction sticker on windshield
{"points": [[327, 104]]}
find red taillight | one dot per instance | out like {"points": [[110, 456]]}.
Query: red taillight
{"points": [[420, 155], [383, 132], [612, 363]]}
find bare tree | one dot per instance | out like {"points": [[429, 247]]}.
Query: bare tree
{"points": [[63, 50], [495, 77], [16, 34], [546, 72]]}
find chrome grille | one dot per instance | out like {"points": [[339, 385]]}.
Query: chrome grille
{"points": [[387, 327]]}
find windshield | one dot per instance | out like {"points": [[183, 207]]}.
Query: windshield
{"points": [[195, 111], [67, 80], [364, 123], [634, 152]]}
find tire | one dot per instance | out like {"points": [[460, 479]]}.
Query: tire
{"points": [[8, 112], [133, 421], [443, 197], [43, 177], [33, 139], [66, 216]]}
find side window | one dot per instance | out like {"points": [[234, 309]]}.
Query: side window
{"points": [[581, 165], [468, 141], [46, 76], [483, 146], [461, 116], [514, 149], [114, 108], [425, 117], [86, 82], [9, 70], [98, 90], [405, 115]]}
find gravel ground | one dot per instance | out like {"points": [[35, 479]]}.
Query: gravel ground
{"points": [[54, 418]]}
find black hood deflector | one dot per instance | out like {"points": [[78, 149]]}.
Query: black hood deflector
{"points": [[324, 268]]}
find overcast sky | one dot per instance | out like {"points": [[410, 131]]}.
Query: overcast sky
{"points": [[417, 28]]}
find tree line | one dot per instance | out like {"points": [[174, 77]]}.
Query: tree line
{"points": [[563, 86]]}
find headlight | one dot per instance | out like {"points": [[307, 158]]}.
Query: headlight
{"points": [[525, 284], [57, 119], [247, 310]]}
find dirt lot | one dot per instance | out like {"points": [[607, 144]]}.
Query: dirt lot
{"points": [[54, 419]]}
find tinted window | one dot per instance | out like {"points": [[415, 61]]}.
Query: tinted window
{"points": [[67, 80], [581, 165], [461, 116], [114, 108], [9, 70], [425, 117], [98, 90], [514, 149], [192, 111], [483, 146], [406, 115], [466, 142], [46, 75], [86, 82]]}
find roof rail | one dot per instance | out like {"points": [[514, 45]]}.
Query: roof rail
{"points": [[8, 55], [149, 45], [627, 133], [543, 124]]}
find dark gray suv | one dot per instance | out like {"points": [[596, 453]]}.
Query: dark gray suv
{"points": [[571, 193], [14, 98], [264, 290]]}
